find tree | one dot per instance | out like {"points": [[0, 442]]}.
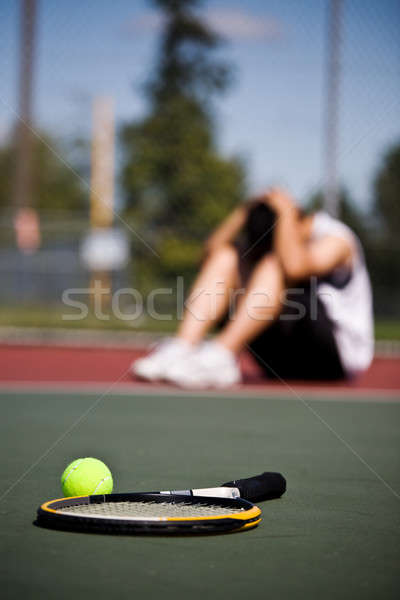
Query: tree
{"points": [[175, 182], [55, 185], [387, 192], [185, 67], [384, 251]]}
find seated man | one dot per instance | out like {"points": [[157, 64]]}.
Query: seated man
{"points": [[302, 301]]}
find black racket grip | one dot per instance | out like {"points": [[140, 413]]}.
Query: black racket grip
{"points": [[261, 487]]}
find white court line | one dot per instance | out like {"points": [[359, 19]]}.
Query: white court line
{"points": [[252, 391]]}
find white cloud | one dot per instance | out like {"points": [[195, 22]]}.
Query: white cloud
{"points": [[240, 25], [149, 22], [235, 24]]}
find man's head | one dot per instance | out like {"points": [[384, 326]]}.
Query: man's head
{"points": [[259, 230]]}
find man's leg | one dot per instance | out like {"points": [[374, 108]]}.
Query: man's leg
{"points": [[259, 308], [210, 295], [214, 364]]}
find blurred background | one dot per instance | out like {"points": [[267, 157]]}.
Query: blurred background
{"points": [[128, 130]]}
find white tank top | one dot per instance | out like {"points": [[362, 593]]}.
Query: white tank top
{"points": [[347, 298]]}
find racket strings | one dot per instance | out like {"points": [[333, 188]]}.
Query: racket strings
{"points": [[138, 509]]}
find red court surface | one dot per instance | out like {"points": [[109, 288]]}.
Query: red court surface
{"points": [[43, 366]]}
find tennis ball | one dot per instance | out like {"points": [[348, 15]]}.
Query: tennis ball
{"points": [[86, 476]]}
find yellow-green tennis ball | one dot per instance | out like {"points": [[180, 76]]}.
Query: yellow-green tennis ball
{"points": [[86, 476]]}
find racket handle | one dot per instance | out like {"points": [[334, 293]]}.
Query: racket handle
{"points": [[261, 487]]}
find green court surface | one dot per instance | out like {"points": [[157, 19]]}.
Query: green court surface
{"points": [[334, 534]]}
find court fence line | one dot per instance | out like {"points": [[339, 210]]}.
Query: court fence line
{"points": [[121, 339]]}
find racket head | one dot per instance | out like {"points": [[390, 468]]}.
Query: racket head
{"points": [[144, 513]]}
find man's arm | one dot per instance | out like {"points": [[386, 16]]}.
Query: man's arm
{"points": [[228, 230], [299, 259]]}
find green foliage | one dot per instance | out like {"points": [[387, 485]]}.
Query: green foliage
{"points": [[186, 67], [177, 186], [383, 250], [387, 192], [55, 185], [6, 170]]}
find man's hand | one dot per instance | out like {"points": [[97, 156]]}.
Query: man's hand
{"points": [[228, 230], [301, 258], [279, 200]]}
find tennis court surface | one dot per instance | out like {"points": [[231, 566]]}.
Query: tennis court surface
{"points": [[334, 534]]}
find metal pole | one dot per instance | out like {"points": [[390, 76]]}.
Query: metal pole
{"points": [[102, 190], [102, 173], [23, 195], [331, 186]]}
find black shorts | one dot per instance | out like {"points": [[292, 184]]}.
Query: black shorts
{"points": [[300, 343]]}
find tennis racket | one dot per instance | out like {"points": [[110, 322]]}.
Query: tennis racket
{"points": [[206, 510]]}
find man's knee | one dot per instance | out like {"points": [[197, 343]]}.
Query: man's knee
{"points": [[270, 264], [226, 256]]}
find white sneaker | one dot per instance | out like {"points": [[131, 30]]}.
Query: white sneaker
{"points": [[211, 365], [167, 353]]}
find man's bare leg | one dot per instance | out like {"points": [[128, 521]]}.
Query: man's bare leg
{"points": [[214, 364], [210, 295], [258, 309]]}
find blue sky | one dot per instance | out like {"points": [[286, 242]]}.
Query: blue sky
{"points": [[272, 116]]}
